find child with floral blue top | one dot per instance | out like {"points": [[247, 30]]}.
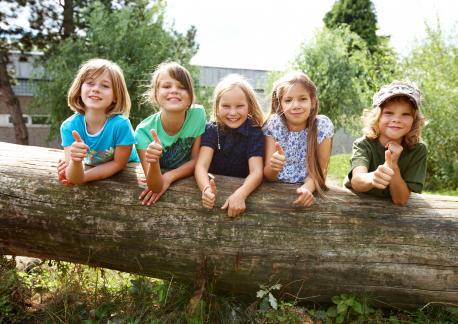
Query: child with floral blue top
{"points": [[233, 143], [298, 141]]}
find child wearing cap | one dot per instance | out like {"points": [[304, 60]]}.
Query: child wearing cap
{"points": [[390, 159]]}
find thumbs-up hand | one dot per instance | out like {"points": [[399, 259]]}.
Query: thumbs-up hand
{"points": [[154, 150], [382, 176], [209, 195], [78, 149], [277, 161]]}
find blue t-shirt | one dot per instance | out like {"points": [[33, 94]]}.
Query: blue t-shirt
{"points": [[117, 131], [295, 145], [233, 147]]}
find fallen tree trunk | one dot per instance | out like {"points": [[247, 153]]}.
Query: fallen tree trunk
{"points": [[403, 256]]}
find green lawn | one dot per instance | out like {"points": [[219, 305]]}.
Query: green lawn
{"points": [[338, 167]]}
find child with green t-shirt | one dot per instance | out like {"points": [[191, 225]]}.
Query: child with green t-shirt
{"points": [[170, 138], [390, 159]]}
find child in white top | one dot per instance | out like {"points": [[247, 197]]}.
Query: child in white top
{"points": [[298, 141]]}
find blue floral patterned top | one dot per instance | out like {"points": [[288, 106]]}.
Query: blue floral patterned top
{"points": [[295, 145]]}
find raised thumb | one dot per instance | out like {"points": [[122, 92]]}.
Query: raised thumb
{"points": [[388, 158], [155, 137], [213, 186], [77, 136], [279, 149]]}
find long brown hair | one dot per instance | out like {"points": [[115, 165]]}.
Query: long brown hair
{"points": [[280, 88]]}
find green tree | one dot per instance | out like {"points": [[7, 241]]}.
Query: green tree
{"points": [[359, 15], [134, 37], [343, 77], [433, 65]]}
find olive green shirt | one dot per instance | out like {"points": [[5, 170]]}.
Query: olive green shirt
{"points": [[371, 154]]}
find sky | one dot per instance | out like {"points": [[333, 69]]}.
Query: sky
{"points": [[267, 34]]}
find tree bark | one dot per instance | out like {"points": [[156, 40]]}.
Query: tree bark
{"points": [[403, 256], [11, 101]]}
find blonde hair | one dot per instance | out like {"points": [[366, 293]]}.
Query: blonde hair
{"points": [[372, 116], [230, 82], [176, 72], [280, 87], [92, 69]]}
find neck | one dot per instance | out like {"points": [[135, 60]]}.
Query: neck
{"points": [[172, 122], [94, 121]]}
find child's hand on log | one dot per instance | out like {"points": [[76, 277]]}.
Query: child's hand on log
{"points": [[304, 197], [61, 166]]}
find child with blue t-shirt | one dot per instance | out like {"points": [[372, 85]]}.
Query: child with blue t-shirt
{"points": [[99, 133], [298, 141], [170, 138], [233, 144]]}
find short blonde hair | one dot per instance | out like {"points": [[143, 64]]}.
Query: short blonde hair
{"points": [[371, 119], [176, 72], [230, 82], [94, 68]]}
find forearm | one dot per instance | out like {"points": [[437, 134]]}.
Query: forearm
{"points": [[309, 184], [399, 190], [201, 175], [103, 171], [252, 181], [269, 173], [75, 172], [154, 179], [362, 182]]}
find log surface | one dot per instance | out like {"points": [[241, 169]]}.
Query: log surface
{"points": [[403, 256]]}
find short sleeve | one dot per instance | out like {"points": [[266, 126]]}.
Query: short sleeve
{"points": [[275, 128], [415, 173], [325, 128], [256, 143], [66, 134], [210, 136], [125, 133], [360, 157]]}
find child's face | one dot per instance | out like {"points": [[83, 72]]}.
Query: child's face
{"points": [[171, 95], [233, 108], [296, 105], [395, 121], [97, 92]]}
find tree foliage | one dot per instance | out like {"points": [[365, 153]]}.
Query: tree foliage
{"points": [[135, 37], [359, 15], [433, 65], [346, 76]]}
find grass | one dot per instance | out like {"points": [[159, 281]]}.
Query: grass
{"points": [[61, 292], [338, 167]]}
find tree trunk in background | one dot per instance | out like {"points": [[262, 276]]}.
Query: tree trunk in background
{"points": [[403, 256], [12, 102]]}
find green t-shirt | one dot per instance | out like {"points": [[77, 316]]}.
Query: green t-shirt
{"points": [[371, 153], [176, 149]]}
